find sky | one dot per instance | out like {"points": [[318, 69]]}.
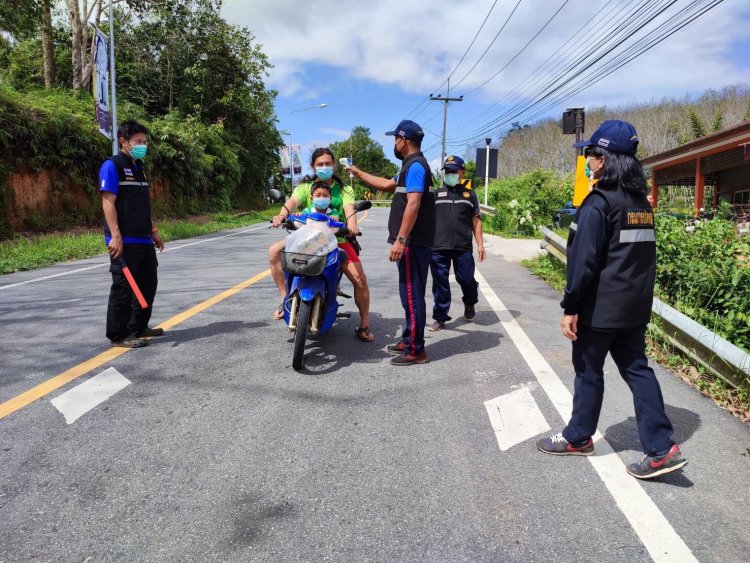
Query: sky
{"points": [[376, 62]]}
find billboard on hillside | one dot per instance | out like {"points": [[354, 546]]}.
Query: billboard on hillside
{"points": [[296, 152], [101, 84]]}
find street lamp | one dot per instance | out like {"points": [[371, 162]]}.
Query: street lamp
{"points": [[291, 144], [488, 140]]}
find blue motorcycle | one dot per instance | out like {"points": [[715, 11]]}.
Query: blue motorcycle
{"points": [[313, 266]]}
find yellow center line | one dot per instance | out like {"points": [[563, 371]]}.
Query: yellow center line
{"points": [[28, 397]]}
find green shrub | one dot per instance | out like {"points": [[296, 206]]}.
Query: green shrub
{"points": [[526, 202], [55, 130], [705, 274]]}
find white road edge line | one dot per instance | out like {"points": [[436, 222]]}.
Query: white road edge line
{"points": [[79, 400], [648, 522], [107, 263]]}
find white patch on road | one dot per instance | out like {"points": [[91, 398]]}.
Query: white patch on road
{"points": [[82, 398], [515, 418], [648, 522]]}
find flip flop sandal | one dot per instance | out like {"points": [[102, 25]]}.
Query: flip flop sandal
{"points": [[363, 333]]}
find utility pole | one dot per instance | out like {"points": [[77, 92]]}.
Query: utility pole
{"points": [[115, 140], [445, 101]]}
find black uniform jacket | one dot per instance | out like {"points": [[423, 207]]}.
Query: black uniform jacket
{"points": [[611, 261]]}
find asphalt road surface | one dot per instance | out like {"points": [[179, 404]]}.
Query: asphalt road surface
{"points": [[207, 445]]}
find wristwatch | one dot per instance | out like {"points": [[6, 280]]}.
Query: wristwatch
{"points": [[401, 239]]}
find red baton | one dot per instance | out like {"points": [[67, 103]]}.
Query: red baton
{"points": [[133, 285]]}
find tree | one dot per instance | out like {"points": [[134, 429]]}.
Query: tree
{"points": [[696, 125], [366, 154], [48, 44]]}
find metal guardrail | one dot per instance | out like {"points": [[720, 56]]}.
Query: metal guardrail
{"points": [[719, 356], [487, 210]]}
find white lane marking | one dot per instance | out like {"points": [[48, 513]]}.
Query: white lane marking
{"points": [[515, 417], [648, 522], [79, 400], [107, 263]]}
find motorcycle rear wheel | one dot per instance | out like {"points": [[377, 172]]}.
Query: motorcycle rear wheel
{"points": [[300, 335]]}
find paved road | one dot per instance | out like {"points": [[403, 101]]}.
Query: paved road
{"points": [[213, 449]]}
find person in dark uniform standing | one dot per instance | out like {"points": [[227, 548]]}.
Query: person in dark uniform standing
{"points": [[457, 214], [411, 229], [607, 302], [130, 235]]}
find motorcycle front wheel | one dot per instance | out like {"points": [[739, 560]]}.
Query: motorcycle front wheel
{"points": [[300, 334]]}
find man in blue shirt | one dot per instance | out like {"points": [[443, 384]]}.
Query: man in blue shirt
{"points": [[130, 236], [411, 230]]}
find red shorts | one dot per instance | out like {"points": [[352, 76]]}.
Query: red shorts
{"points": [[351, 254]]}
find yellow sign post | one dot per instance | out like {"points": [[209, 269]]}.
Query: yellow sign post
{"points": [[581, 185]]}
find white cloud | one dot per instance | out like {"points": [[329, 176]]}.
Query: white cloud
{"points": [[415, 44], [338, 133]]}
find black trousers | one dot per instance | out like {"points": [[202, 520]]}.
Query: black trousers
{"points": [[124, 313], [412, 284], [463, 267], [628, 349]]}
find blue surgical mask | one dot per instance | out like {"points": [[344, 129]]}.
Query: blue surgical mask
{"points": [[321, 203], [324, 172], [451, 179], [138, 151]]}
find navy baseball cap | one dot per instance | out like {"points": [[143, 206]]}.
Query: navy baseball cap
{"points": [[613, 135], [407, 130], [454, 163]]}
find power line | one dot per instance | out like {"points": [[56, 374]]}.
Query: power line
{"points": [[521, 51], [491, 43], [426, 100], [623, 31]]}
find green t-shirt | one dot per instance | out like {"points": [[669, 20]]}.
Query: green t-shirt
{"points": [[340, 196]]}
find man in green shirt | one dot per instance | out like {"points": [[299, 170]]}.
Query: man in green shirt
{"points": [[342, 205]]}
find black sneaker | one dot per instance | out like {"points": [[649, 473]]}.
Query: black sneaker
{"points": [[148, 331], [557, 445], [409, 359], [654, 465], [469, 312], [396, 349], [130, 342]]}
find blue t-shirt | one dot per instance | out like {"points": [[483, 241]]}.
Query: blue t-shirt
{"points": [[414, 178], [109, 181]]}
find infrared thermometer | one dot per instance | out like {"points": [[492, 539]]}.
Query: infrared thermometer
{"points": [[346, 162]]}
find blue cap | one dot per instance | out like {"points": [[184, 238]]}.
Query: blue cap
{"points": [[407, 130], [454, 163], [613, 135]]}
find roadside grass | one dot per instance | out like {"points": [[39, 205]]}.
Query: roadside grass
{"points": [[27, 253], [736, 401]]}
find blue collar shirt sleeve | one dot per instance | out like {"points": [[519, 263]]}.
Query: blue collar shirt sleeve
{"points": [[415, 178], [108, 178]]}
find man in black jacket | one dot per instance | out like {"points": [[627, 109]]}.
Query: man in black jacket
{"points": [[457, 214], [131, 236], [607, 302], [411, 230]]}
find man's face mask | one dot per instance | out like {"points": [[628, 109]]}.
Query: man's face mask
{"points": [[396, 152], [138, 151], [324, 172], [451, 179]]}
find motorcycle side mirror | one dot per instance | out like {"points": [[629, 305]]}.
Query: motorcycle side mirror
{"points": [[362, 205], [275, 195]]}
